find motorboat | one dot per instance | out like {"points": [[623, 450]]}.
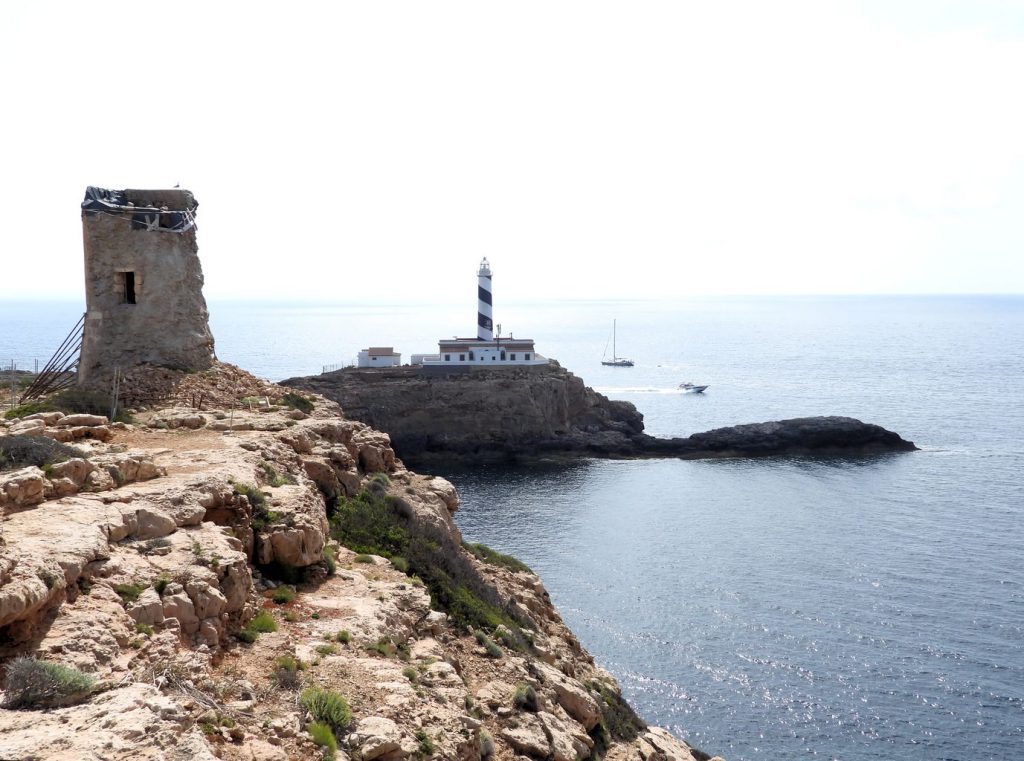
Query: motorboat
{"points": [[692, 388]]}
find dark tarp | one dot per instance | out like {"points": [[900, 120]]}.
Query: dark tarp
{"points": [[144, 216]]}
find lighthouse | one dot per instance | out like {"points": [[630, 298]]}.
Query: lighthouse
{"points": [[486, 350], [484, 316]]}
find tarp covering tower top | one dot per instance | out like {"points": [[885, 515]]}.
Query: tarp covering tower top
{"points": [[143, 284], [170, 210]]}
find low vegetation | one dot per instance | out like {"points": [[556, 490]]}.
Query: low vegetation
{"points": [[493, 557], [33, 683], [374, 523], [129, 592], [618, 719], [262, 623], [283, 594], [525, 698], [327, 707], [286, 672], [273, 478], [323, 736], [486, 744], [298, 402], [22, 451], [424, 745]]}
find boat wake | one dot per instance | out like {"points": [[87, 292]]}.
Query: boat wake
{"points": [[636, 390]]}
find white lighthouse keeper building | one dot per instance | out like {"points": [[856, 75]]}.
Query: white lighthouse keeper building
{"points": [[487, 349]]}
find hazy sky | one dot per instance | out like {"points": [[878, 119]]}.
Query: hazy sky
{"points": [[376, 150]]}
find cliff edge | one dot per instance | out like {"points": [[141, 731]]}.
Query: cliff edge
{"points": [[243, 573]]}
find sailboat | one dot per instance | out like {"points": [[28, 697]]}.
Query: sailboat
{"points": [[616, 361]]}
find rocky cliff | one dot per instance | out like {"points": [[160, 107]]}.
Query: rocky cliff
{"points": [[265, 580], [527, 412]]}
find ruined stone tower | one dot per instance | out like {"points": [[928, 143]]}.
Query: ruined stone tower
{"points": [[143, 283]]}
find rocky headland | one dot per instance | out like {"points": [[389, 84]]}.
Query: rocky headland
{"points": [[518, 413], [243, 573]]}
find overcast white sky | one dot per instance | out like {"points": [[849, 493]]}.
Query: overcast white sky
{"points": [[351, 151]]}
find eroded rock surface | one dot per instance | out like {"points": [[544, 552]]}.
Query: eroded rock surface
{"points": [[142, 562]]}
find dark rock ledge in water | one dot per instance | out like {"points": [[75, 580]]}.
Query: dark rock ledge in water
{"points": [[523, 413]]}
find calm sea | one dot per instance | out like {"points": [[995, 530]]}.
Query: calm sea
{"points": [[860, 608]]}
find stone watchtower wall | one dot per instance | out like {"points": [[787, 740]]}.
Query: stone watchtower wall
{"points": [[143, 284]]}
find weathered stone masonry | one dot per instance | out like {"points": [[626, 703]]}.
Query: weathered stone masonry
{"points": [[143, 283]]}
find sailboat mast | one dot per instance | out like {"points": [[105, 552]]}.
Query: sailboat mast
{"points": [[615, 354]]}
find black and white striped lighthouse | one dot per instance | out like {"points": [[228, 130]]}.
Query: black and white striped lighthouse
{"points": [[484, 316]]}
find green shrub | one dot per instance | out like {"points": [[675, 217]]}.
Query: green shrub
{"points": [[298, 402], [146, 629], [283, 594], [286, 672], [410, 673], [525, 698], [493, 557], [619, 722], [326, 649], [290, 616], [24, 410], [327, 707], [383, 525], [323, 736], [247, 635], [400, 564], [161, 583], [488, 644], [425, 746], [486, 744], [263, 622], [273, 478], [129, 592], [362, 558], [343, 637], [33, 683], [22, 451], [328, 561], [383, 646]]}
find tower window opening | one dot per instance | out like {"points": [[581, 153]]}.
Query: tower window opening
{"points": [[126, 286], [526, 356]]}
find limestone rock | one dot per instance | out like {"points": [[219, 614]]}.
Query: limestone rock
{"points": [[83, 420], [571, 695], [76, 470], [23, 487], [376, 737], [28, 428], [528, 736]]}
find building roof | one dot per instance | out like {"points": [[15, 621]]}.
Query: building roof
{"points": [[381, 351], [525, 344]]}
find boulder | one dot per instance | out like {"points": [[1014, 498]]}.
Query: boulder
{"points": [[529, 736], [83, 420], [375, 737], [152, 523], [28, 428], [23, 487]]}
